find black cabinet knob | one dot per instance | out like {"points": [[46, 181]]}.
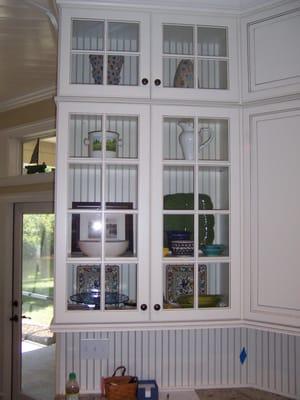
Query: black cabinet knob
{"points": [[156, 307], [144, 307], [157, 82], [145, 81]]}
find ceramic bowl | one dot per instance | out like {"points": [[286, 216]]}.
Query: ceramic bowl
{"points": [[212, 249], [92, 248]]}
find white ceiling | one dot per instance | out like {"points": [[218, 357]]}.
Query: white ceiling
{"points": [[28, 42]]}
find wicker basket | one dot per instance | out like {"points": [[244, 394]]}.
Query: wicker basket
{"points": [[122, 387]]}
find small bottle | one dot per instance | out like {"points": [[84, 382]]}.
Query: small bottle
{"points": [[72, 387]]}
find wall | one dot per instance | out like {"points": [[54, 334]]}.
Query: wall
{"points": [[189, 358]]}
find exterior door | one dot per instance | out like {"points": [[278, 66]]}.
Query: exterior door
{"points": [[32, 305]]}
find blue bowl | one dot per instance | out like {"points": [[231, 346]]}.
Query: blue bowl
{"points": [[212, 249]]}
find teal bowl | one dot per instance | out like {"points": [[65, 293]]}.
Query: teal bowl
{"points": [[212, 249]]}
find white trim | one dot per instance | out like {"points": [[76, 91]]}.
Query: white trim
{"points": [[27, 130], [25, 100]]}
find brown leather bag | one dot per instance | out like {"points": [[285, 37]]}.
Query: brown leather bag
{"points": [[120, 387]]}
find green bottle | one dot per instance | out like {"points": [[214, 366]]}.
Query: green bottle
{"points": [[72, 387]]}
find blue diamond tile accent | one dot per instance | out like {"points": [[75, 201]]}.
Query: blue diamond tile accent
{"points": [[243, 355]]}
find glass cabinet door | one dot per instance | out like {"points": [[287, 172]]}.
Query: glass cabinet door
{"points": [[105, 260], [194, 57], [193, 232], [107, 54]]}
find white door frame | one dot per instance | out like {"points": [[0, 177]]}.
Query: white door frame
{"points": [[19, 210]]}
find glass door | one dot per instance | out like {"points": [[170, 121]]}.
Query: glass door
{"points": [[108, 53], [34, 343], [106, 214], [194, 232]]}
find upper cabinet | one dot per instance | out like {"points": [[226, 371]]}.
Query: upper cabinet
{"points": [[104, 53], [270, 53], [107, 54], [194, 57]]}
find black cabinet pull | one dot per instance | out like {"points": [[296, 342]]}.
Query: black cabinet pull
{"points": [[145, 81], [156, 307], [144, 307], [157, 82]]}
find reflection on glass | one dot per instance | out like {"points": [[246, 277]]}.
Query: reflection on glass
{"points": [[178, 286], [178, 137], [122, 185], [123, 36], [85, 186], [82, 135], [213, 183], [178, 39], [212, 41], [213, 285], [120, 235], [85, 235], [87, 35], [213, 235], [178, 236], [213, 135], [212, 74], [178, 72], [121, 286], [178, 184], [127, 129]]}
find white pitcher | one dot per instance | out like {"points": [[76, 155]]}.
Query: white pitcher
{"points": [[186, 139]]}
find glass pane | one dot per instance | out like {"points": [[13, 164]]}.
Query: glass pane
{"points": [[213, 235], [178, 39], [127, 130], [123, 36], [120, 235], [178, 139], [122, 70], [178, 187], [120, 286], [84, 285], [85, 186], [212, 41], [39, 155], [178, 72], [178, 236], [83, 137], [87, 69], [85, 235], [212, 74], [213, 140], [122, 185], [213, 285], [213, 184], [88, 35], [178, 286]]}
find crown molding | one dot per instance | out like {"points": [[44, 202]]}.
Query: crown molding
{"points": [[33, 97]]}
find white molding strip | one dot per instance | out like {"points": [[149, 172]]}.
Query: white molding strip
{"points": [[27, 99], [30, 130]]}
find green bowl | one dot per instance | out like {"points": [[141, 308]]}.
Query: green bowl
{"points": [[204, 300]]}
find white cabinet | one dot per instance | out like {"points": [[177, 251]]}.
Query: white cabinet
{"points": [[107, 53], [102, 210], [195, 214]]}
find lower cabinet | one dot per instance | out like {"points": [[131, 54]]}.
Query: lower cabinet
{"points": [[148, 220], [272, 217]]}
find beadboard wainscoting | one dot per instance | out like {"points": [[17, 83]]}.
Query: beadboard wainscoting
{"points": [[188, 358]]}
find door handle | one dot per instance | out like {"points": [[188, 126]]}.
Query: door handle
{"points": [[24, 317], [14, 318]]}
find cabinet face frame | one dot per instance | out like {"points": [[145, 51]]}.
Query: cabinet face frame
{"points": [[230, 24], [65, 88], [233, 311], [63, 316]]}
